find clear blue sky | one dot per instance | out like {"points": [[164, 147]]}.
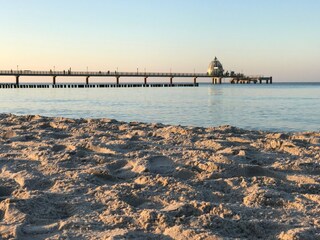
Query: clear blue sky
{"points": [[274, 37]]}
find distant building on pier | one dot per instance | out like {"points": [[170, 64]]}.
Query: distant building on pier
{"points": [[215, 68]]}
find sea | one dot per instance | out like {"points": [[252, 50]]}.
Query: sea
{"points": [[283, 107]]}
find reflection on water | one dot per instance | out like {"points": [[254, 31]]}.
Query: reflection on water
{"points": [[277, 107]]}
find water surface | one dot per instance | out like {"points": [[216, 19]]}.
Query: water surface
{"points": [[276, 107]]}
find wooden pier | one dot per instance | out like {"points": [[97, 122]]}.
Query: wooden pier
{"points": [[96, 85], [17, 74]]}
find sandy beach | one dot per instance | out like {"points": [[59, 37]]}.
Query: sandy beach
{"points": [[105, 179]]}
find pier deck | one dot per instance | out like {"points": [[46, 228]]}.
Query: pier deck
{"points": [[96, 85], [236, 78]]}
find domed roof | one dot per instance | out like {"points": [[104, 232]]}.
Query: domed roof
{"points": [[215, 67]]}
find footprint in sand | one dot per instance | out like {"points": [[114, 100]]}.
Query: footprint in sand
{"points": [[139, 202], [121, 169], [254, 171], [34, 181], [103, 177], [58, 148], [45, 209], [7, 186], [39, 229], [116, 165], [5, 192], [133, 200], [160, 164]]}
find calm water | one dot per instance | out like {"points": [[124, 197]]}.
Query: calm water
{"points": [[277, 107]]}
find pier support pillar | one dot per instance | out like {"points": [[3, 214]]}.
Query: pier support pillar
{"points": [[118, 80], [87, 80], [270, 80], [54, 80], [171, 80], [195, 80], [216, 80], [145, 80], [17, 80], [260, 81]]}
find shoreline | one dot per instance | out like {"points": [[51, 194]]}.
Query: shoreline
{"points": [[106, 179], [266, 131]]}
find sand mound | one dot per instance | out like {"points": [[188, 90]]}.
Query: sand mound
{"points": [[103, 179]]}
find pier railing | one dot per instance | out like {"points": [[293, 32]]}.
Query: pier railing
{"points": [[99, 73]]}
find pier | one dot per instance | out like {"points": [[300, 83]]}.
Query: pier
{"points": [[95, 85], [145, 76]]}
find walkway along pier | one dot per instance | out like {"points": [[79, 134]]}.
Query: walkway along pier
{"points": [[216, 78]]}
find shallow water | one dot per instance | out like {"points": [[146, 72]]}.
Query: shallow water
{"points": [[276, 107]]}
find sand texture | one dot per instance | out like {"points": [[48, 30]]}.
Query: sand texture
{"points": [[104, 179]]}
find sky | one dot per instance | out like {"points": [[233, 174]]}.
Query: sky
{"points": [[275, 37]]}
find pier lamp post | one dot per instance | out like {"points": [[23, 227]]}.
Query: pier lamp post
{"points": [[87, 70], [54, 68], [17, 67]]}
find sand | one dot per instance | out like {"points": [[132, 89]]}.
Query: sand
{"points": [[105, 179]]}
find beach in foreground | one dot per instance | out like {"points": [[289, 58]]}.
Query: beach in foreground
{"points": [[104, 179]]}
